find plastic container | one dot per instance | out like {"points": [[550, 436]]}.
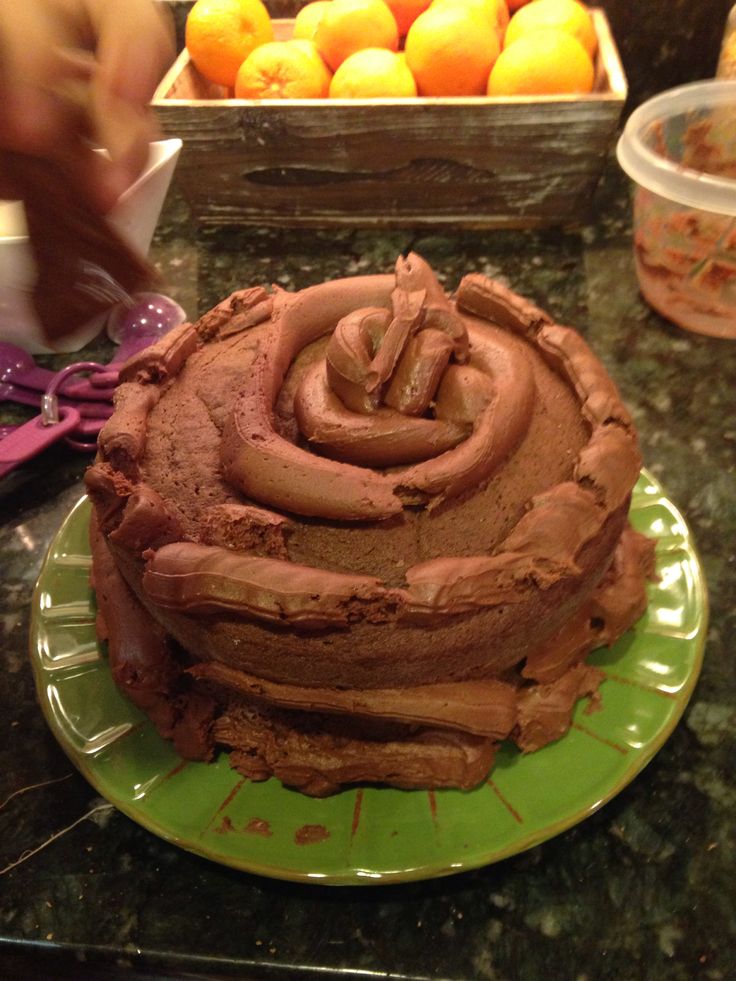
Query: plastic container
{"points": [[679, 149]]}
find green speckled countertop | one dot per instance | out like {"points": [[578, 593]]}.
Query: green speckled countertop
{"points": [[646, 888]]}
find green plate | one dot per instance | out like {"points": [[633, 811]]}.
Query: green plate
{"points": [[371, 835]]}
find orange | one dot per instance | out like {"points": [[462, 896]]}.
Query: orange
{"points": [[496, 11], [373, 73], [565, 15], [406, 12], [515, 4], [220, 34], [308, 18], [280, 70], [544, 62], [450, 49], [320, 66], [350, 25]]}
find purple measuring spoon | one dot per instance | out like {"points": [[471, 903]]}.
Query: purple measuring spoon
{"points": [[34, 436], [26, 396], [54, 423], [17, 367], [85, 427], [133, 326]]}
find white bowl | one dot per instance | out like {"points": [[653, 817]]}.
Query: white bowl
{"points": [[679, 149], [135, 217]]}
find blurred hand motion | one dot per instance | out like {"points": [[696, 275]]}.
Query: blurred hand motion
{"points": [[78, 74]]}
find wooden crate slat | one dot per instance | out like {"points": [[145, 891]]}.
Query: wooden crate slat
{"points": [[477, 162]]}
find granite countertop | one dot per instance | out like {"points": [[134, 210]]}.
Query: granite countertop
{"points": [[646, 887]]}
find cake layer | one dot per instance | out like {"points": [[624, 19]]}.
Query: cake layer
{"points": [[318, 739]]}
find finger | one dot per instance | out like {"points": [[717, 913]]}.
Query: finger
{"points": [[8, 190], [126, 132], [97, 181], [53, 94], [31, 116], [135, 45]]}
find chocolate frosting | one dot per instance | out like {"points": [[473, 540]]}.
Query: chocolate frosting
{"points": [[164, 359], [241, 310], [205, 578], [484, 708], [617, 602], [319, 763], [545, 710], [258, 719], [122, 439], [142, 661], [339, 404], [146, 522], [406, 402], [490, 390], [246, 528]]}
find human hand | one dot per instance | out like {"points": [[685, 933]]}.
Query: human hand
{"points": [[78, 73]]}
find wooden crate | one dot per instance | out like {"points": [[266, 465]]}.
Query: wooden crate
{"points": [[479, 162]]}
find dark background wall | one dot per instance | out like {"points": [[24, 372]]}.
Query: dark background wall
{"points": [[666, 42], [661, 42]]}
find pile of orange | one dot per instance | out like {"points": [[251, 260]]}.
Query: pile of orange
{"points": [[347, 49]]}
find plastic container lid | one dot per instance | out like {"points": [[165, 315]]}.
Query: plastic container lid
{"points": [[666, 177]]}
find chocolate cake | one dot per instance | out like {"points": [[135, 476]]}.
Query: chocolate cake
{"points": [[366, 531]]}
